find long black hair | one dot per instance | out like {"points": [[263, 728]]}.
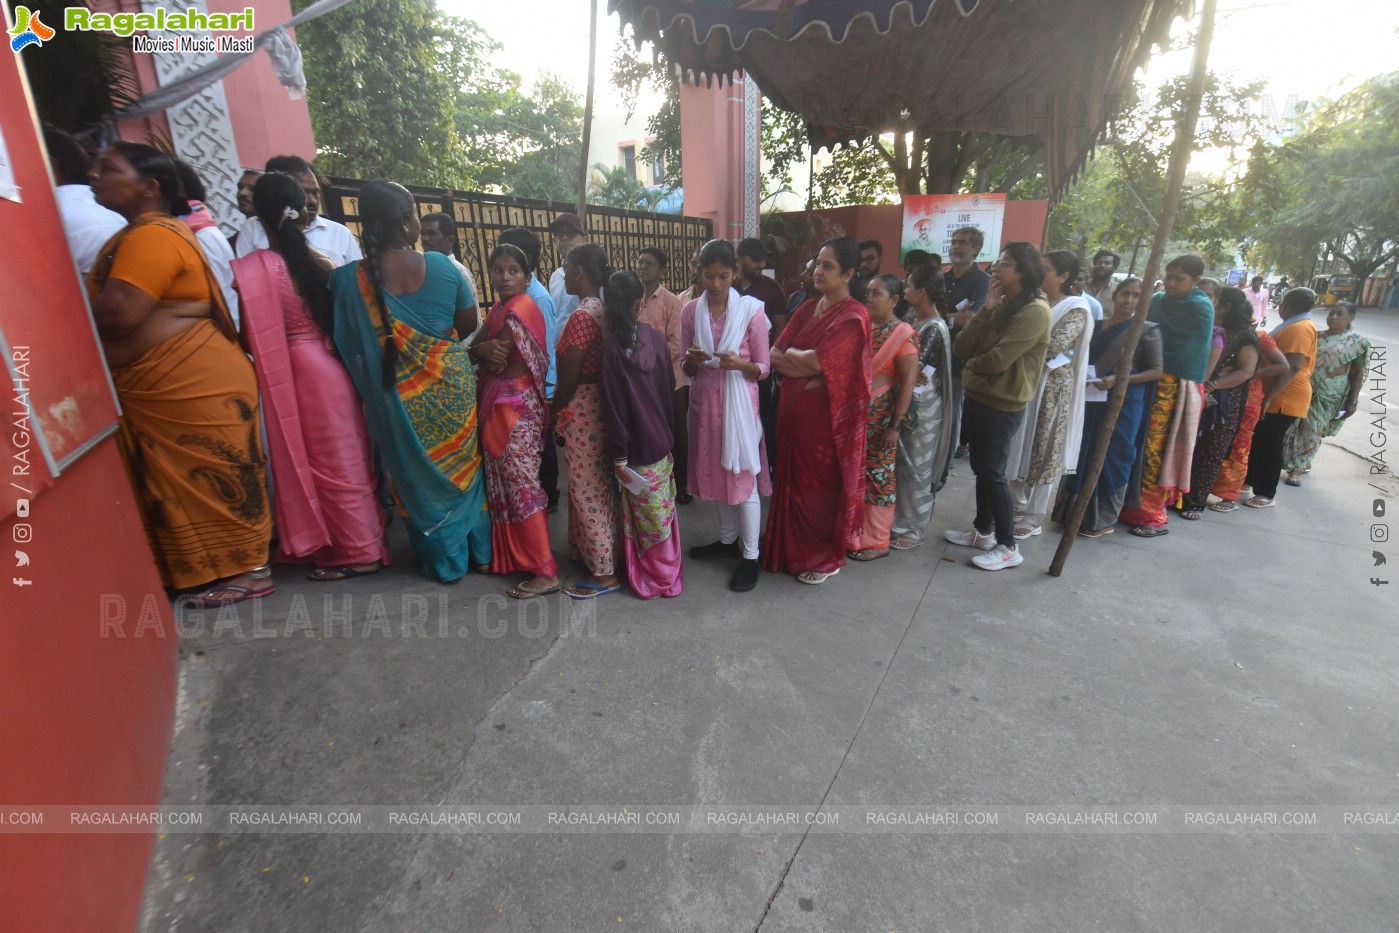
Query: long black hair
{"points": [[1235, 315], [278, 202], [383, 207], [1026, 259], [929, 278], [153, 165], [620, 296]]}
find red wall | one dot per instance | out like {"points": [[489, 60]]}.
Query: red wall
{"points": [[86, 719], [1024, 221]]}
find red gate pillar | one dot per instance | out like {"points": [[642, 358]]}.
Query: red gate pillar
{"points": [[720, 155], [87, 643]]}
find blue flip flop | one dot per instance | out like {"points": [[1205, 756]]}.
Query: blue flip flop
{"points": [[597, 589]]}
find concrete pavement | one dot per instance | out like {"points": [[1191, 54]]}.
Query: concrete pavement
{"points": [[1243, 660]]}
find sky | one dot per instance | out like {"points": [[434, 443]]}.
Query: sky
{"points": [[1300, 48]]}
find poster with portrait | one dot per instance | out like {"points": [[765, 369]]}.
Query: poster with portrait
{"points": [[931, 219]]}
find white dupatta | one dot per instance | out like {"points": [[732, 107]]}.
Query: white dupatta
{"points": [[1023, 443], [743, 432]]}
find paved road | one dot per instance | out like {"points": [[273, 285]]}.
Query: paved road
{"points": [[1241, 661]]}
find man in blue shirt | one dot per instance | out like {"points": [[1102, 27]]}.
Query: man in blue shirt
{"points": [[529, 243]]}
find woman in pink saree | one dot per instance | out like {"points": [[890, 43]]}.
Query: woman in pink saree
{"points": [[324, 489]]}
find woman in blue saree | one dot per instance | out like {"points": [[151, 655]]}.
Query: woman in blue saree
{"points": [[399, 316], [1129, 434]]}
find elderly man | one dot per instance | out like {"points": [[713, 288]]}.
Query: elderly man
{"points": [[331, 238]]}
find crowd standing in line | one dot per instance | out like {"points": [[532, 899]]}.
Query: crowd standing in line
{"points": [[363, 371]]}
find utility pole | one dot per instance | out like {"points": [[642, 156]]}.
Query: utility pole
{"points": [[1175, 182], [587, 115]]}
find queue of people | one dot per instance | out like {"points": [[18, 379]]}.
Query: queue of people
{"points": [[370, 382]]}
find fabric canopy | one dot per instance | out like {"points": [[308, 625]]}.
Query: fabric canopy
{"points": [[1047, 69]]}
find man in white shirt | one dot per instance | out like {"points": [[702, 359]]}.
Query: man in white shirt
{"points": [[206, 231], [1258, 296], [331, 238], [439, 235], [87, 224], [567, 231]]}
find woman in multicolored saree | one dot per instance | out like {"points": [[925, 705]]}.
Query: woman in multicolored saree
{"points": [[1342, 362], [635, 384], [1162, 475], [398, 317], [324, 494], [818, 488], [893, 374], [1272, 375], [592, 497], [514, 355], [1227, 388], [189, 424], [923, 442]]}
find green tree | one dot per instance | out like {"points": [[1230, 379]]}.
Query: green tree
{"points": [[1334, 185], [381, 103], [549, 131], [1118, 197], [616, 187]]}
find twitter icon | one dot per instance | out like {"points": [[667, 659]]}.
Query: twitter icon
{"points": [[1377, 555], [22, 559]]}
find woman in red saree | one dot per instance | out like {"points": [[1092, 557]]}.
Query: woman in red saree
{"points": [[823, 357], [514, 359]]}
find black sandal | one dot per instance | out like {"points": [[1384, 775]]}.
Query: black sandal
{"points": [[1149, 531], [342, 572]]}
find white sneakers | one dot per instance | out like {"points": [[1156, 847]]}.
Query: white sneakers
{"points": [[972, 538], [999, 557]]}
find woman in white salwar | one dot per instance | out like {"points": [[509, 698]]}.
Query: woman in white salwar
{"points": [[726, 336], [1046, 447], [923, 443]]}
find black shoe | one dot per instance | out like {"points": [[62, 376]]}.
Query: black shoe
{"points": [[745, 577], [683, 498], [717, 549]]}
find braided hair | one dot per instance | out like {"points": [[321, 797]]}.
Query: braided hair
{"points": [[383, 206], [622, 293], [895, 287], [279, 203]]}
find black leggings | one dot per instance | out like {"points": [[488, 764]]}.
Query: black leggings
{"points": [[989, 431], [1265, 457]]}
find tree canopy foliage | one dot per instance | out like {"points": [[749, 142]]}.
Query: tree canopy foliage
{"points": [[399, 90], [1333, 186]]}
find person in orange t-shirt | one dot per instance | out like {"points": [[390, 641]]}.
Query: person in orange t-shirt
{"points": [[1296, 338]]}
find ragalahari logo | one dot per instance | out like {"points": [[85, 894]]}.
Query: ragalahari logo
{"points": [[28, 30]]}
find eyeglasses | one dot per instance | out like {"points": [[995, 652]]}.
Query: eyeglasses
{"points": [[1003, 264]]}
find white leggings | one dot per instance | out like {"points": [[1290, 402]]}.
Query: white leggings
{"points": [[744, 517], [1031, 502]]}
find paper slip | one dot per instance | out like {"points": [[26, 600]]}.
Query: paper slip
{"points": [[1093, 391], [635, 482], [930, 371], [961, 305], [1060, 360]]}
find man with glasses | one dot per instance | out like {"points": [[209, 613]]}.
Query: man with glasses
{"points": [[967, 287]]}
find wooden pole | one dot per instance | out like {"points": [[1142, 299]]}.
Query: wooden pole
{"points": [[1175, 182], [587, 115]]}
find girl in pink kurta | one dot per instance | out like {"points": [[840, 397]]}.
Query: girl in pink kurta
{"points": [[727, 340]]}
